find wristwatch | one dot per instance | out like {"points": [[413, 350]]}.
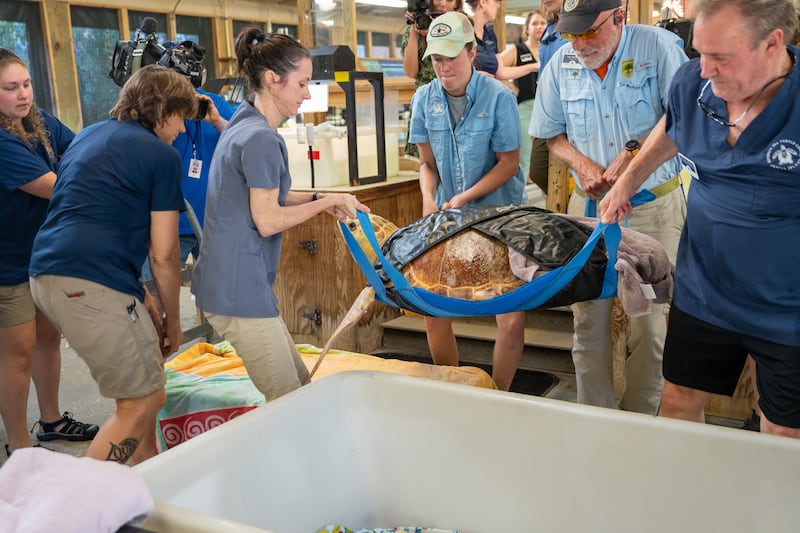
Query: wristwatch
{"points": [[633, 146]]}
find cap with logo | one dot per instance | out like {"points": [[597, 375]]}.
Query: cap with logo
{"points": [[577, 16], [448, 34]]}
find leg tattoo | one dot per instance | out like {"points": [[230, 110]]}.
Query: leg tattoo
{"points": [[123, 451]]}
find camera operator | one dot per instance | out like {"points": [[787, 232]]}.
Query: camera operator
{"points": [[413, 45], [196, 146]]}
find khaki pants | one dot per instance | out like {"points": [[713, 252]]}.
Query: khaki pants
{"points": [[272, 361], [663, 220]]}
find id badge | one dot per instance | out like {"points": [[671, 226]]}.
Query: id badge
{"points": [[571, 61], [689, 165], [195, 168]]}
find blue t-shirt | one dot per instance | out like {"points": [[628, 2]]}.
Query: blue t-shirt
{"points": [[486, 51], [98, 226], [465, 154], [235, 273], [737, 264], [21, 213], [198, 142], [550, 42]]}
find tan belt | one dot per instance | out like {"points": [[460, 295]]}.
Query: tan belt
{"points": [[661, 189]]}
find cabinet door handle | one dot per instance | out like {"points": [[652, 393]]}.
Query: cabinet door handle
{"points": [[310, 245]]}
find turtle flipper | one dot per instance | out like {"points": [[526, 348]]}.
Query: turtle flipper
{"points": [[354, 314]]}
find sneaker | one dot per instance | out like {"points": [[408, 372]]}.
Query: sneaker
{"points": [[753, 423], [67, 428]]}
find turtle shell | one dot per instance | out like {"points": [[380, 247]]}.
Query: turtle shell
{"points": [[463, 253]]}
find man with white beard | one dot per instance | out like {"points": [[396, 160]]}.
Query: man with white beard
{"points": [[597, 100]]}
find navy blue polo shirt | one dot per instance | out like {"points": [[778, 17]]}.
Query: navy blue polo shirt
{"points": [[486, 56], [98, 226], [738, 264], [21, 214]]}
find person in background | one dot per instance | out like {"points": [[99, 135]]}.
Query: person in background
{"points": [[118, 190], [466, 128], [31, 144], [597, 132], [526, 53], [250, 205], [734, 120], [550, 42], [196, 146], [413, 48]]}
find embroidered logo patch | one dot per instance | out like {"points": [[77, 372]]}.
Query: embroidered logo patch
{"points": [[569, 5], [627, 68], [784, 155], [440, 30]]}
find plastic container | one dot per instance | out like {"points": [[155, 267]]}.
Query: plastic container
{"points": [[376, 450], [331, 169]]}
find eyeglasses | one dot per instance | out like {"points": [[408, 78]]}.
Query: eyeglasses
{"points": [[719, 119], [589, 34]]}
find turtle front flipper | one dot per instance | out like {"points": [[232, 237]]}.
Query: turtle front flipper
{"points": [[354, 314]]}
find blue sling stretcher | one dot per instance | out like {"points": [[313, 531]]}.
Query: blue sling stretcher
{"points": [[529, 296]]}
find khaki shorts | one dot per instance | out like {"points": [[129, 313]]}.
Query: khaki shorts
{"points": [[16, 305], [111, 331]]}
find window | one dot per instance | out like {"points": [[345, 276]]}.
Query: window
{"points": [[398, 45], [286, 29], [95, 32], [239, 25], [21, 32], [361, 40], [381, 45], [135, 22], [198, 29]]}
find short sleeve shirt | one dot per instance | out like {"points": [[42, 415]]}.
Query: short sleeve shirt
{"points": [[464, 154], [21, 213], [600, 116], [235, 273], [486, 56], [98, 227], [737, 264], [196, 147]]}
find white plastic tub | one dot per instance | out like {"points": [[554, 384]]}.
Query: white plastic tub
{"points": [[378, 450]]}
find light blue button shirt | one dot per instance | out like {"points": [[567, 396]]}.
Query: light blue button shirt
{"points": [[465, 154], [600, 116]]}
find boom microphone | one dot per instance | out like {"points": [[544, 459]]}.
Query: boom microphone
{"points": [[149, 25]]}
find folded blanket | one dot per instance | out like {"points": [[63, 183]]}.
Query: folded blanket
{"points": [[208, 385], [645, 271], [43, 491]]}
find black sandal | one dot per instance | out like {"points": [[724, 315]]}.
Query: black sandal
{"points": [[67, 428]]}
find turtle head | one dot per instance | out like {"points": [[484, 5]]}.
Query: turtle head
{"points": [[382, 227]]}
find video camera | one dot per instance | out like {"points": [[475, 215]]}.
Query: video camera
{"points": [[420, 10], [130, 56]]}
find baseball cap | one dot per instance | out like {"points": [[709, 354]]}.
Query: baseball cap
{"points": [[577, 16], [448, 34]]}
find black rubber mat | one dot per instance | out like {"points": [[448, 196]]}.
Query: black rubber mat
{"points": [[531, 382]]}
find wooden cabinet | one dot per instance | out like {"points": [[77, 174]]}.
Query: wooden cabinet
{"points": [[318, 280]]}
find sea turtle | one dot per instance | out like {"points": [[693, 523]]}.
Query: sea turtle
{"points": [[453, 253]]}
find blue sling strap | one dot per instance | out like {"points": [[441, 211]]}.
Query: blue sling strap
{"points": [[529, 296]]}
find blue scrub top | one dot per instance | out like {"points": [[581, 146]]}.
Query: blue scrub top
{"points": [[235, 273], [21, 213], [198, 142], [737, 264], [98, 226]]}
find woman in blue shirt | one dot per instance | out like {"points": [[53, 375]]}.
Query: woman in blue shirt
{"points": [[466, 127], [117, 198], [31, 143], [249, 204]]}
